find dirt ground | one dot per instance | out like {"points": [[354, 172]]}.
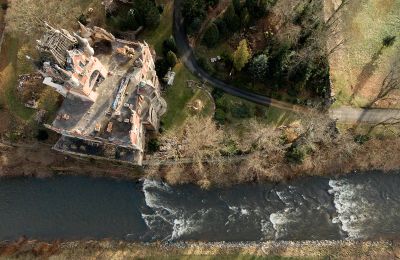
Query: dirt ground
{"points": [[360, 65], [39, 160]]}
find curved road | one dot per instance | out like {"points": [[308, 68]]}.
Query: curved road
{"points": [[342, 114], [189, 60]]}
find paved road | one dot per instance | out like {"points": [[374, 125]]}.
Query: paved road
{"points": [[343, 114], [188, 59], [368, 116]]}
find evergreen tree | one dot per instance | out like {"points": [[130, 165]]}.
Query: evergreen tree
{"points": [[241, 56], [232, 20], [211, 36], [171, 59], [236, 4], [258, 67]]}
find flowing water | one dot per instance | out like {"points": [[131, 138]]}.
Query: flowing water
{"points": [[354, 207]]}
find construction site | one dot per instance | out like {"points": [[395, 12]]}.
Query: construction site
{"points": [[112, 98]]}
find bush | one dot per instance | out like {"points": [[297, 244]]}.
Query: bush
{"points": [[220, 116], [361, 139], [211, 36], [205, 64], [169, 45], [231, 19], [153, 145], [259, 66], [4, 6], [194, 12], [42, 135], [160, 9], [162, 67], [295, 155], [194, 26], [146, 13], [83, 19], [171, 59], [388, 41], [222, 28], [242, 111], [212, 3], [241, 56]]}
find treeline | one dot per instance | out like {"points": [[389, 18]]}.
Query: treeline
{"points": [[237, 16], [252, 151], [131, 16], [295, 56]]}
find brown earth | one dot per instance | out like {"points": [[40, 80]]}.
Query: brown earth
{"points": [[359, 66], [39, 160]]}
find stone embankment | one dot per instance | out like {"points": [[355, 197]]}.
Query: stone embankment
{"points": [[108, 249]]}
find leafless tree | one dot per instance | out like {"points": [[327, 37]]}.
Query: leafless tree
{"points": [[200, 140], [390, 83]]}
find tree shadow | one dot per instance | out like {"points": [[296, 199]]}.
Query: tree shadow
{"points": [[367, 72]]}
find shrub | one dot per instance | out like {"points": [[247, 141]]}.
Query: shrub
{"points": [[212, 3], [171, 59], [169, 45], [241, 55], [220, 116], [162, 67], [160, 9], [295, 155], [242, 111], [361, 139], [205, 64], [42, 135], [4, 6], [83, 19], [153, 145], [388, 41], [194, 26], [211, 36], [231, 19], [259, 66], [222, 28]]}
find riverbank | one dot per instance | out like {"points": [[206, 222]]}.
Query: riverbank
{"points": [[39, 160], [107, 249]]}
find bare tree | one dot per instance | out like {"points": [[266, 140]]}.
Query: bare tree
{"points": [[200, 140], [266, 151], [390, 83]]}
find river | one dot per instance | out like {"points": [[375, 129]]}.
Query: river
{"points": [[74, 207]]}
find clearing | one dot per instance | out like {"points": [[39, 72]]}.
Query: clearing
{"points": [[359, 66]]}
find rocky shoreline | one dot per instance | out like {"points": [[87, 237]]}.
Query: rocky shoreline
{"points": [[110, 249]]}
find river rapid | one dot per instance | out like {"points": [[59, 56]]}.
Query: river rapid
{"points": [[358, 206]]}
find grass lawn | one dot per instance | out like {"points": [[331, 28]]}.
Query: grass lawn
{"points": [[164, 30], [177, 97], [358, 69], [9, 79], [237, 109]]}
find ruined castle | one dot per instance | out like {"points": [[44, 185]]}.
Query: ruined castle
{"points": [[111, 98]]}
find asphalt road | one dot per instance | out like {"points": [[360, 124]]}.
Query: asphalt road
{"points": [[342, 114], [367, 116], [189, 60]]}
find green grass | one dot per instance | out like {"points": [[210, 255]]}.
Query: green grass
{"points": [[269, 115], [9, 79], [366, 23], [177, 97], [156, 37]]}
